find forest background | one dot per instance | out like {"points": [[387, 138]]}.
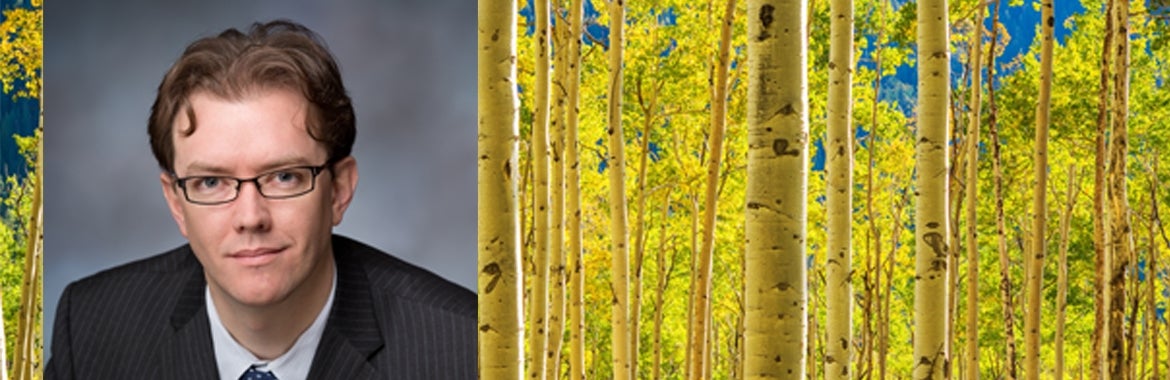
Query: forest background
{"points": [[670, 50], [21, 56]]}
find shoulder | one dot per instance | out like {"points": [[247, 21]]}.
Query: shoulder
{"points": [[136, 280], [391, 276]]}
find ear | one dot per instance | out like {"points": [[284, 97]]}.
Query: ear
{"points": [[174, 201], [345, 179]]}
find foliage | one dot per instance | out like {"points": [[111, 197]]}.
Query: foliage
{"points": [[669, 53]]}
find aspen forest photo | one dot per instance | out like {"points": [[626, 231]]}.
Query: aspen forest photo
{"points": [[21, 209], [823, 189]]}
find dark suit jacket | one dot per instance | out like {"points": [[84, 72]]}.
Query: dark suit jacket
{"points": [[147, 320]]}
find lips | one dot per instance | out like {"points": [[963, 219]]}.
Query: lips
{"points": [[255, 256]]}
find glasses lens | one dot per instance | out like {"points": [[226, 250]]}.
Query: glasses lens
{"points": [[286, 182], [210, 189]]}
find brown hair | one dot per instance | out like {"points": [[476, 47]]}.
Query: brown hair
{"points": [[279, 54]]}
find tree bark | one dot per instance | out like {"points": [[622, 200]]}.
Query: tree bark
{"points": [[1035, 262], [1121, 243], [931, 359], [616, 164], [1101, 230], [702, 302], [556, 252], [501, 349], [576, 280], [538, 301], [1062, 271], [777, 188], [972, 333], [1005, 284], [839, 196]]}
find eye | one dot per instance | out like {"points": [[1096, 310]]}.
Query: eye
{"points": [[285, 179], [206, 183]]}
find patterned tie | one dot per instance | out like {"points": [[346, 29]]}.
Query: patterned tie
{"points": [[254, 374]]}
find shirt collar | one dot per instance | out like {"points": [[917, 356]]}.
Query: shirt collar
{"points": [[232, 359]]}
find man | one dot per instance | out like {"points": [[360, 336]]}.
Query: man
{"points": [[253, 134]]}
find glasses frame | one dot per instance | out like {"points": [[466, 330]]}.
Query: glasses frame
{"points": [[314, 170]]}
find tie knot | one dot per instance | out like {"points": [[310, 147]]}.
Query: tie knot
{"points": [[254, 374]]}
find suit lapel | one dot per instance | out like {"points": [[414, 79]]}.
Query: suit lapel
{"points": [[352, 335], [189, 353]]}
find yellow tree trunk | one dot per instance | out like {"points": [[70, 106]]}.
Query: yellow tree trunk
{"points": [[556, 258], [649, 105], [1122, 244], [1155, 222], [1035, 261], [501, 348], [839, 173], [538, 301], [777, 186], [616, 165], [701, 298], [664, 272], [972, 359], [25, 358], [573, 200], [931, 359], [1005, 265], [1062, 272], [1101, 233]]}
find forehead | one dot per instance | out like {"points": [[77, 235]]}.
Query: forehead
{"points": [[252, 132]]}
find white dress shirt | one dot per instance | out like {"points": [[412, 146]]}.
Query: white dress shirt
{"points": [[233, 359]]}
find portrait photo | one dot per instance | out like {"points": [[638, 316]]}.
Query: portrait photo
{"points": [[407, 68]]}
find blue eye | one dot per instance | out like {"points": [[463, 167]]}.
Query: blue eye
{"points": [[207, 183]]}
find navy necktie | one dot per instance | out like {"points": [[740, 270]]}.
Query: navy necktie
{"points": [[254, 374]]}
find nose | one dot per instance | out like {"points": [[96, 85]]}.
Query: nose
{"points": [[251, 210]]}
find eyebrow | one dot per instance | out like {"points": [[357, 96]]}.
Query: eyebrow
{"points": [[205, 168]]}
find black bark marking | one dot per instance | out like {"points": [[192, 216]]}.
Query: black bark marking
{"points": [[496, 35], [508, 169], [786, 110], [493, 270], [935, 241], [485, 327], [932, 225], [765, 20], [1051, 22], [780, 147]]}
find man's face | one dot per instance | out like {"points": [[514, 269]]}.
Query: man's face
{"points": [[254, 250]]}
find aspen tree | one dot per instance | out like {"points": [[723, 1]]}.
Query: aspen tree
{"points": [[1035, 261], [664, 272], [576, 273], [701, 299], [776, 192], [1101, 232], [538, 304], [1005, 265], [930, 298], [1121, 242], [649, 105], [556, 238], [501, 348], [972, 365], [1062, 271], [1155, 221], [616, 165], [839, 173]]}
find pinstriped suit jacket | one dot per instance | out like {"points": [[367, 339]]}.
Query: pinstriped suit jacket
{"points": [[147, 320]]}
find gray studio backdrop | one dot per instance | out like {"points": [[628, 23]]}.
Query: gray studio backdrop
{"points": [[409, 67]]}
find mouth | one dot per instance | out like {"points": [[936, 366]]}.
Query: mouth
{"points": [[255, 256]]}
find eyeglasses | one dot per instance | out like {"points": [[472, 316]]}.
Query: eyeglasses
{"points": [[276, 184]]}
